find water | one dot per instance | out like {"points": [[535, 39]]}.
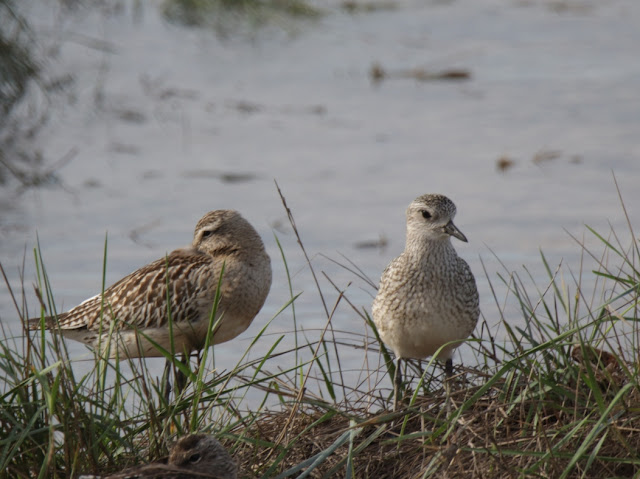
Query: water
{"points": [[159, 114]]}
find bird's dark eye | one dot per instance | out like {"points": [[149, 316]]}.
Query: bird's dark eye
{"points": [[425, 214], [195, 458], [207, 233]]}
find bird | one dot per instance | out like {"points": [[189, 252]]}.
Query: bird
{"points": [[170, 301], [427, 301], [196, 456]]}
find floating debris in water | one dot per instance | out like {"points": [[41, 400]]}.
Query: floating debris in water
{"points": [[131, 116], [249, 107], [544, 156], [123, 149], [92, 183], [380, 243], [504, 163], [351, 6], [225, 177], [236, 177], [378, 73], [245, 106]]}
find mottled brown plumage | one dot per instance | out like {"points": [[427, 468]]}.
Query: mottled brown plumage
{"points": [[198, 456], [136, 306]]}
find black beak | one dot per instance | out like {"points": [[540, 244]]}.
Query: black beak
{"points": [[453, 230]]}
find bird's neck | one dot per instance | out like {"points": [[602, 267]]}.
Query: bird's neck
{"points": [[423, 249]]}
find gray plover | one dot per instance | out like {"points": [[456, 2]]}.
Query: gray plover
{"points": [[192, 457], [136, 306], [427, 296]]}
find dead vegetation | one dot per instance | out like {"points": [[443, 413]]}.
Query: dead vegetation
{"points": [[502, 429]]}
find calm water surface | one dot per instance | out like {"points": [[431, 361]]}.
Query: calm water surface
{"points": [[170, 122]]}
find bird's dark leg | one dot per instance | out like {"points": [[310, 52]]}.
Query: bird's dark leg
{"points": [[448, 368], [167, 382], [448, 374], [397, 383], [181, 379]]}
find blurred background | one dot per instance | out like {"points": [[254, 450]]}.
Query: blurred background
{"points": [[129, 119]]}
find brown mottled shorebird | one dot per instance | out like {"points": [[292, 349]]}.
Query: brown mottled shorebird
{"points": [[136, 306], [192, 457], [427, 296]]}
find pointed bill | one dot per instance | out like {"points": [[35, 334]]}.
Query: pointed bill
{"points": [[453, 230]]}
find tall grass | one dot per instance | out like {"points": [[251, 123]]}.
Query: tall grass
{"points": [[551, 393]]}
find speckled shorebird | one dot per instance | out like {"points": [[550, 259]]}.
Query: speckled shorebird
{"points": [[192, 457], [427, 296], [137, 306]]}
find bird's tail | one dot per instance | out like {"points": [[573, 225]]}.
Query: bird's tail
{"points": [[37, 323]]}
